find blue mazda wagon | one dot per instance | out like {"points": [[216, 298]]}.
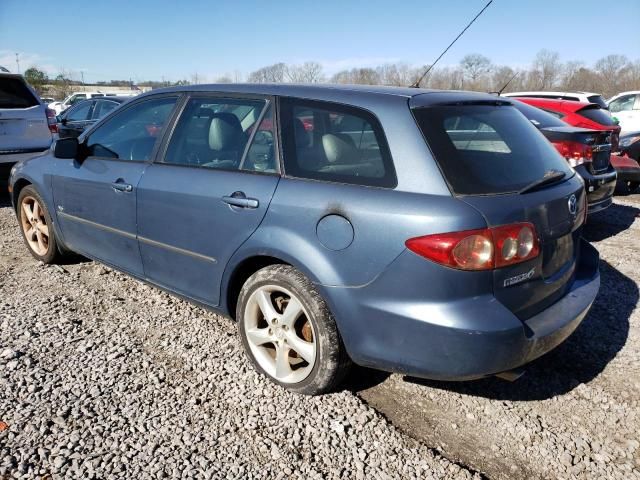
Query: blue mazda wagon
{"points": [[433, 233]]}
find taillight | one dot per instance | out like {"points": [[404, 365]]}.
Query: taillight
{"points": [[51, 120], [483, 249], [576, 153]]}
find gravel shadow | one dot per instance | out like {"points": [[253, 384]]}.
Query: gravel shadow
{"points": [[581, 358], [610, 222], [362, 378], [5, 201]]}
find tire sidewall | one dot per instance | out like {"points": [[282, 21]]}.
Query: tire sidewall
{"points": [[318, 314], [30, 191]]}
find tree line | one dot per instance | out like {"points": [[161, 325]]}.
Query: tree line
{"points": [[609, 75]]}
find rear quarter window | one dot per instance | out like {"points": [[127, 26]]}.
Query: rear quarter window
{"points": [[14, 93], [335, 143], [487, 149]]}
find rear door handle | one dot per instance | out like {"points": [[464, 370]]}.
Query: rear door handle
{"points": [[239, 199], [122, 187]]}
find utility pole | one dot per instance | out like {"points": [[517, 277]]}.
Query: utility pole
{"points": [[18, 61], [82, 76]]}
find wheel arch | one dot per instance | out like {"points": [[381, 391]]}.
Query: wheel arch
{"points": [[239, 274], [18, 185]]}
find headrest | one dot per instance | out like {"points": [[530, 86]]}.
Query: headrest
{"points": [[338, 150], [224, 131], [205, 112], [300, 133]]}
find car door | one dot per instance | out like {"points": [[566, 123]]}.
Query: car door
{"points": [[96, 198], [207, 193], [73, 122]]}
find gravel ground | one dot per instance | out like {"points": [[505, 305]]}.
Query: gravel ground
{"points": [[104, 377], [575, 414]]}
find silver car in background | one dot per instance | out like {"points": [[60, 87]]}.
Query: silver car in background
{"points": [[25, 122]]}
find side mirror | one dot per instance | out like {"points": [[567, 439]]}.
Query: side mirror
{"points": [[66, 148]]}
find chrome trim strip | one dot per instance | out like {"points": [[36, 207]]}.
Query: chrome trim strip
{"points": [[97, 225], [148, 241], [175, 249]]}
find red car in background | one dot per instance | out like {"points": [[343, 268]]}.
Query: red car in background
{"points": [[593, 116]]}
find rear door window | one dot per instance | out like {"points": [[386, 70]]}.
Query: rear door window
{"points": [[14, 93], [487, 149], [79, 112], [334, 142]]}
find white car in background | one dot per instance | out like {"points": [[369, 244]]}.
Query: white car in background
{"points": [[625, 107], [76, 97], [25, 122], [586, 97]]}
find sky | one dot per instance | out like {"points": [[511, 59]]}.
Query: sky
{"points": [[171, 40]]}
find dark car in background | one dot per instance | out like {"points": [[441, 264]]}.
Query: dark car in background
{"points": [[75, 119], [433, 233], [588, 151]]}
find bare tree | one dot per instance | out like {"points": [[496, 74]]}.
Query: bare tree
{"points": [[474, 66], [399, 74], [270, 74], [546, 69], [223, 79], [308, 72], [363, 76]]}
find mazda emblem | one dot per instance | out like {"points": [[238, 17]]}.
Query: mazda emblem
{"points": [[573, 204]]}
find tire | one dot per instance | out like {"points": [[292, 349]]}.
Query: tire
{"points": [[272, 344], [36, 226], [632, 187]]}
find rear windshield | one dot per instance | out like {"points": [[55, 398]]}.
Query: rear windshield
{"points": [[598, 115], [538, 117], [487, 149], [15, 94], [598, 100]]}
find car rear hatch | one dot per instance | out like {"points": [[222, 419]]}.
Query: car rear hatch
{"points": [[23, 120], [494, 160], [599, 141]]}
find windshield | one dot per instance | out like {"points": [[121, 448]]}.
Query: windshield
{"points": [[487, 149], [598, 115], [539, 118], [598, 100]]}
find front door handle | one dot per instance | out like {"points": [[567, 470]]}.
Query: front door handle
{"points": [[239, 199], [120, 186]]}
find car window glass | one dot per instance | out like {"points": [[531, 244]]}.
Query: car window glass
{"points": [[77, 98], [79, 112], [261, 155], [132, 133], [210, 134], [598, 115], [622, 104], [539, 117], [473, 142], [14, 93], [326, 141], [102, 108]]}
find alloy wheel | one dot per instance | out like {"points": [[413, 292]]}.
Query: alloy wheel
{"points": [[280, 334], [34, 225]]}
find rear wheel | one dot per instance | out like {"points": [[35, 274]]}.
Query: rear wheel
{"points": [[36, 226], [288, 332]]}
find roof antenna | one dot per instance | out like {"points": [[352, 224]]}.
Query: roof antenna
{"points": [[416, 84], [499, 92]]}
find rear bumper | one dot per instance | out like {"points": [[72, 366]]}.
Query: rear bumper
{"points": [[600, 187], [385, 327]]}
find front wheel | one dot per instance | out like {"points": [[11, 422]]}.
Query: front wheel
{"points": [[288, 332], [36, 226]]}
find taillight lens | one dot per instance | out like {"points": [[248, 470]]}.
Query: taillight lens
{"points": [[576, 153], [483, 249], [51, 120]]}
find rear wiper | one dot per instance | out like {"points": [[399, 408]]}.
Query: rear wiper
{"points": [[549, 177]]}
